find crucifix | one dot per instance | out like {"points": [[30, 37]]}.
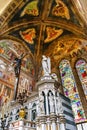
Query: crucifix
{"points": [[17, 67]]}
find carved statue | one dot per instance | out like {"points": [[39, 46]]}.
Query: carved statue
{"points": [[51, 103], [46, 65], [59, 105], [41, 103], [17, 64]]}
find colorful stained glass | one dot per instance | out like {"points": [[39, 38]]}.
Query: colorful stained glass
{"points": [[71, 91], [81, 67]]}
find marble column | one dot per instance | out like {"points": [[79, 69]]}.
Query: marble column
{"points": [[21, 126], [48, 124], [58, 123], [37, 124], [53, 122], [47, 108], [11, 127], [43, 123], [55, 104], [62, 123]]}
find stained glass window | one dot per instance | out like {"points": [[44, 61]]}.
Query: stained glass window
{"points": [[71, 91], [81, 67]]}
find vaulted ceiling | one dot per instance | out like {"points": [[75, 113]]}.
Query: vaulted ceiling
{"points": [[55, 28]]}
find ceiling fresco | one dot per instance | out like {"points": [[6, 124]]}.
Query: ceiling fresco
{"points": [[41, 27], [48, 30]]}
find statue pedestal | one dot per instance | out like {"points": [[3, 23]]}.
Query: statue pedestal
{"points": [[49, 119], [46, 77]]}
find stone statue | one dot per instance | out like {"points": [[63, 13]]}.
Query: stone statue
{"points": [[7, 121], [51, 103], [59, 105], [46, 65], [41, 103]]}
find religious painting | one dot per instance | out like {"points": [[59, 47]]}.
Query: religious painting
{"points": [[6, 75], [31, 9], [12, 49], [81, 67], [28, 66], [61, 10], [71, 91], [26, 83], [5, 94], [29, 35], [52, 34]]}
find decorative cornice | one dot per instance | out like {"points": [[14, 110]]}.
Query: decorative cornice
{"points": [[9, 12]]}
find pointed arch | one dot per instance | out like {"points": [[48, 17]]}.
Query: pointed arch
{"points": [[71, 90], [81, 67]]}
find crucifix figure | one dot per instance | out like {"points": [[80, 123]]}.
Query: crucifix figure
{"points": [[17, 67]]}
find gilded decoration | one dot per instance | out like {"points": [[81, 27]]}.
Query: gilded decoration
{"points": [[66, 48], [28, 35], [31, 9], [61, 10], [52, 34]]}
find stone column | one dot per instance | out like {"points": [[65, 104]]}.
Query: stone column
{"points": [[48, 124], [43, 123], [58, 123], [11, 127], [47, 108], [53, 122], [21, 125], [62, 126], [37, 123], [55, 104], [62, 123], [30, 111]]}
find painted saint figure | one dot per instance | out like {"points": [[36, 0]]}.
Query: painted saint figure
{"points": [[46, 65]]}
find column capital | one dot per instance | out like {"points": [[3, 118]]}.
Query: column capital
{"points": [[53, 117], [62, 119], [37, 120], [42, 119]]}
